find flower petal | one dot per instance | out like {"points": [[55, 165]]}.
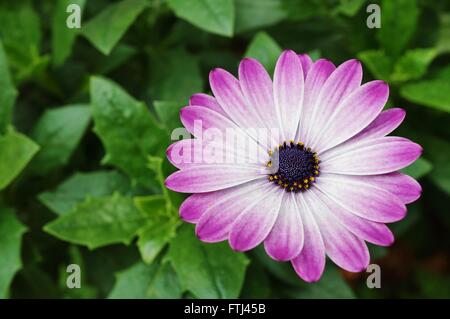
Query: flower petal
{"points": [[344, 248], [343, 81], [310, 263], [316, 77], [306, 62], [288, 88], [351, 116], [227, 90], [373, 232], [371, 157], [206, 100], [360, 198], [208, 178], [285, 240], [253, 225], [257, 88], [219, 215], [196, 205]]}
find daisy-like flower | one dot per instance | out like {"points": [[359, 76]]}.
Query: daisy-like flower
{"points": [[324, 186]]}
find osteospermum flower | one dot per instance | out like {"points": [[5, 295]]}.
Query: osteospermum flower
{"points": [[324, 187]]}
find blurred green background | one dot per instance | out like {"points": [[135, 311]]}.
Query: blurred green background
{"points": [[86, 115]]}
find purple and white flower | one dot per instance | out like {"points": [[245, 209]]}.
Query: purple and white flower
{"points": [[335, 183]]}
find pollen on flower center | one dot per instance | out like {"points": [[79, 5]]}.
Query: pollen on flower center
{"points": [[298, 166]]}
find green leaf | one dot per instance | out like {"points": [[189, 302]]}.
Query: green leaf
{"points": [[59, 131], [438, 152], [133, 283], [207, 270], [265, 50], [257, 14], [349, 7], [378, 63], [418, 169], [11, 231], [216, 16], [175, 75], [80, 185], [97, 222], [432, 93], [398, 24], [16, 151], [443, 43], [413, 64], [106, 29], [21, 36], [159, 229], [62, 36], [128, 131], [165, 284], [169, 113], [8, 92]]}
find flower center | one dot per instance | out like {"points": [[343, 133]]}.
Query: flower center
{"points": [[297, 166]]}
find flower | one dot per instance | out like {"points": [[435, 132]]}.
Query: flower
{"points": [[324, 186]]}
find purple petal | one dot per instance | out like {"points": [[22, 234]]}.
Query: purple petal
{"points": [[343, 81], [288, 88], [362, 199], [310, 263], [206, 100], [306, 62], [318, 74], [208, 178], [344, 248], [371, 157], [252, 227], [357, 111], [285, 241]]}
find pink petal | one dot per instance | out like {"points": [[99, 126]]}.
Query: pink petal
{"points": [[216, 222], [373, 232], [208, 178], [344, 248], [288, 88], [252, 226], [371, 157], [285, 241], [206, 100], [310, 263], [343, 81], [362, 199], [306, 62], [357, 111], [316, 77]]}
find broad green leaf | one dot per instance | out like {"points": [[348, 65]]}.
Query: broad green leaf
{"points": [[432, 93], [21, 36], [128, 131], [257, 14], [80, 185], [413, 64], [58, 132], [98, 222], [8, 92], [133, 283], [11, 231], [331, 285], [378, 63], [398, 24], [418, 169], [169, 113], [165, 284], [106, 29], [216, 16], [265, 50], [63, 36], [175, 75], [206, 270], [16, 150], [120, 54]]}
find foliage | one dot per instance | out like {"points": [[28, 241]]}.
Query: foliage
{"points": [[87, 114]]}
